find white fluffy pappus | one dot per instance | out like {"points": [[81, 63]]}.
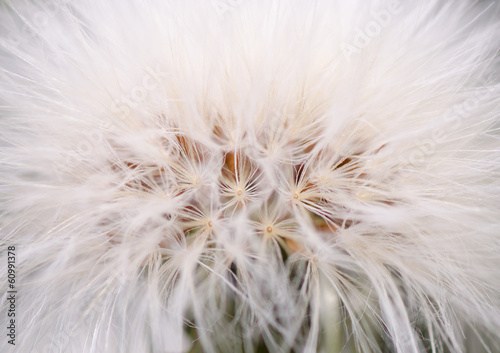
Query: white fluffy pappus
{"points": [[250, 175]]}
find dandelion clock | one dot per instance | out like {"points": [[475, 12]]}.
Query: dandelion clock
{"points": [[249, 176]]}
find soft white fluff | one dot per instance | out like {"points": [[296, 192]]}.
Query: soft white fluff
{"points": [[239, 176]]}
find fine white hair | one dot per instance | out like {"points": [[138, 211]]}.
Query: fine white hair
{"points": [[250, 175]]}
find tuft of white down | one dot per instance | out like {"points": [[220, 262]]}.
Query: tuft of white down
{"points": [[240, 176]]}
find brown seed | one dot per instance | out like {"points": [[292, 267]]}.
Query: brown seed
{"points": [[294, 246]]}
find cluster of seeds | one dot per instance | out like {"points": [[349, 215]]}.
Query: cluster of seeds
{"points": [[283, 201]]}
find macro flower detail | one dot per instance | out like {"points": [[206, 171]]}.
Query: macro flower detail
{"points": [[249, 176]]}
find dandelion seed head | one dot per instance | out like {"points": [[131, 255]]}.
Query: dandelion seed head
{"points": [[265, 175]]}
